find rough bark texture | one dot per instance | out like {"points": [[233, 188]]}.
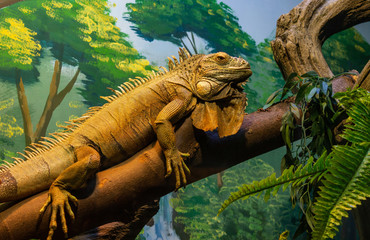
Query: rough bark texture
{"points": [[119, 230], [363, 80], [301, 33], [115, 194]]}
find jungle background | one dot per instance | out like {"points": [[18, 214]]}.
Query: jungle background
{"points": [[82, 47]]}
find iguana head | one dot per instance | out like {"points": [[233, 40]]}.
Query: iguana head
{"points": [[217, 81], [219, 76]]}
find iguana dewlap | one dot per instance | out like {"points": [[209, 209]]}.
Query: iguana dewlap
{"points": [[206, 87]]}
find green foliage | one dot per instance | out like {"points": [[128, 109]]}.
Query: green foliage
{"points": [[93, 42], [271, 184], [195, 208], [347, 182], [8, 130], [345, 171], [314, 108], [18, 47], [172, 20], [8, 125], [266, 76], [349, 98], [340, 46]]}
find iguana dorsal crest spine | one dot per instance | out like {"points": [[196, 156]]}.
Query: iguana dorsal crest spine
{"points": [[47, 143]]}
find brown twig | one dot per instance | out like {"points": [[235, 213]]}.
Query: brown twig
{"points": [[54, 99], [23, 104]]}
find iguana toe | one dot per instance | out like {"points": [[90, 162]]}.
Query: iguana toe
{"points": [[59, 200]]}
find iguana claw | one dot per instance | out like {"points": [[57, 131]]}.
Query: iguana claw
{"points": [[175, 161], [59, 200]]}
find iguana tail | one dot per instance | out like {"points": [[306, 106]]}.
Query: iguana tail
{"points": [[35, 173]]}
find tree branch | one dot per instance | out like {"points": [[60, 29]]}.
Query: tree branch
{"points": [[59, 98], [140, 179], [54, 99], [23, 104], [5, 3], [363, 80], [301, 33], [49, 108]]}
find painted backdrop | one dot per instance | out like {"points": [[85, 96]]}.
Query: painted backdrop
{"points": [[69, 52]]}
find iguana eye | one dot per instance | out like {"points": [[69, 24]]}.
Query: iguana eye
{"points": [[222, 58]]}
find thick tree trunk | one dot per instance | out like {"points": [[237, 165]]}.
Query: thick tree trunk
{"points": [[301, 33]]}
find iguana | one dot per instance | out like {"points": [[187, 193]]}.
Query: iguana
{"points": [[208, 88]]}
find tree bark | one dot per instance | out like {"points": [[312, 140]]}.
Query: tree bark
{"points": [[301, 33], [5, 3], [140, 179], [363, 80]]}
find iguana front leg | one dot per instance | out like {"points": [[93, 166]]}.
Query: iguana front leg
{"points": [[171, 113], [72, 178]]}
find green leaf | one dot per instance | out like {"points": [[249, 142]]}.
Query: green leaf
{"points": [[310, 91], [310, 74], [324, 87], [295, 110], [272, 183], [302, 92], [348, 178], [289, 84], [272, 98]]}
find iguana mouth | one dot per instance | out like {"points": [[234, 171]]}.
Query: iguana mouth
{"points": [[240, 86], [240, 68]]}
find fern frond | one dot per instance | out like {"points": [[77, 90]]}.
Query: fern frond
{"points": [[271, 184], [347, 182]]}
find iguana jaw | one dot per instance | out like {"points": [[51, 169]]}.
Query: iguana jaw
{"points": [[239, 73]]}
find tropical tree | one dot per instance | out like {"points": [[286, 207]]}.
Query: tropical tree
{"points": [[343, 44], [175, 21], [87, 38], [195, 208]]}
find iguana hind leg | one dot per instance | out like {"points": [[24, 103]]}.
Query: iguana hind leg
{"points": [[72, 178]]}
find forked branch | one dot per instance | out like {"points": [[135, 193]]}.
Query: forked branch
{"points": [[301, 33]]}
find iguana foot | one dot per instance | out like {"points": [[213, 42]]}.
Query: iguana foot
{"points": [[175, 162], [59, 200]]}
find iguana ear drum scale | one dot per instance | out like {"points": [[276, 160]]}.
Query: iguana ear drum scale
{"points": [[209, 88]]}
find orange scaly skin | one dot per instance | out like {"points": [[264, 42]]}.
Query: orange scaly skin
{"points": [[205, 87]]}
